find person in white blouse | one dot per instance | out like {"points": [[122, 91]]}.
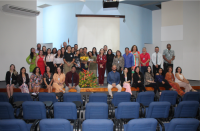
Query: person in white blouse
{"points": [[58, 61], [180, 79], [157, 60], [48, 60]]}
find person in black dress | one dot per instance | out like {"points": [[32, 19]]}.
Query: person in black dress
{"points": [[138, 79], [110, 57], [126, 81], [11, 80], [77, 61], [48, 79]]}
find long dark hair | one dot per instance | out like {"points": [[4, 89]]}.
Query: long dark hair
{"points": [[89, 52], [95, 51], [133, 47], [140, 73], [53, 49], [61, 55], [162, 71], [57, 71], [177, 69], [150, 71], [45, 48], [34, 71], [31, 53], [111, 52], [22, 69]]}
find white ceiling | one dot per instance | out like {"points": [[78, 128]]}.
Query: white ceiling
{"points": [[56, 2]]}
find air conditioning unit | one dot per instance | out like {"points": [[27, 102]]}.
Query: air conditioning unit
{"points": [[20, 10]]}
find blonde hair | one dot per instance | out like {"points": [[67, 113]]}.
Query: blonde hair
{"points": [[14, 71]]}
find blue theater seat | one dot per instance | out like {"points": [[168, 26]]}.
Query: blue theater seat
{"points": [[191, 96], [72, 96], [3, 97], [22, 97], [14, 125], [121, 97], [97, 125], [6, 111], [145, 98], [98, 97], [169, 96], [47, 97]]}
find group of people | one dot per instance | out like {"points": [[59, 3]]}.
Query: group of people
{"points": [[54, 68]]}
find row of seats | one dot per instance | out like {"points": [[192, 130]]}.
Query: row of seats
{"points": [[144, 124]]}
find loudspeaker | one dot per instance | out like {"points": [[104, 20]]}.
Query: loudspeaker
{"points": [[110, 4]]}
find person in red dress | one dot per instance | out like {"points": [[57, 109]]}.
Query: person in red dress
{"points": [[40, 62], [101, 61]]}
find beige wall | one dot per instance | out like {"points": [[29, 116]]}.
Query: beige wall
{"points": [[172, 13]]}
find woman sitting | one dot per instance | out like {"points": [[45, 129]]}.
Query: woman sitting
{"points": [[48, 79], [11, 80], [126, 81], [180, 79], [58, 80], [23, 80], [160, 80], [149, 80], [138, 79], [36, 80], [170, 78]]}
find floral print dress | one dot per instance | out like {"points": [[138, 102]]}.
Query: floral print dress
{"points": [[24, 86], [35, 79]]}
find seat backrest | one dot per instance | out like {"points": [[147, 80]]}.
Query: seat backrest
{"points": [[3, 97], [96, 110], [169, 96], [186, 109], [191, 96], [98, 97], [158, 110], [97, 125], [144, 124], [6, 111], [13, 125], [72, 96], [47, 97], [22, 97], [128, 110], [121, 97], [183, 124], [145, 98], [65, 110], [33, 110], [55, 125]]}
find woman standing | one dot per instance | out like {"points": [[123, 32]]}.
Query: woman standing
{"points": [[73, 50], [84, 63], [36, 80], [49, 60], [92, 63], [23, 80], [149, 80], [138, 79], [101, 61], [40, 62], [77, 61], [170, 78], [126, 81], [94, 51], [11, 80], [44, 50], [119, 61], [81, 50], [136, 54], [180, 79], [110, 56], [48, 79], [68, 60], [54, 51], [31, 57], [160, 79], [63, 51], [58, 61], [58, 80]]}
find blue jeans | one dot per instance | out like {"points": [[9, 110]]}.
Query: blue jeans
{"points": [[143, 69]]}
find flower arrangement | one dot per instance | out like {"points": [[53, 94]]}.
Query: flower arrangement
{"points": [[84, 58], [87, 79]]}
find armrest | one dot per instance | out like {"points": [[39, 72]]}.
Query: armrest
{"points": [[141, 114], [34, 125], [18, 104], [133, 98], [76, 125], [113, 110], [59, 95], [178, 99], [171, 112], [35, 97], [116, 124], [48, 104], [109, 99], [156, 98], [162, 125]]}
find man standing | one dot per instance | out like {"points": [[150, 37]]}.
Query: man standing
{"points": [[128, 61], [105, 48], [144, 58], [168, 56], [113, 79], [75, 47], [156, 60], [38, 48], [72, 80]]}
